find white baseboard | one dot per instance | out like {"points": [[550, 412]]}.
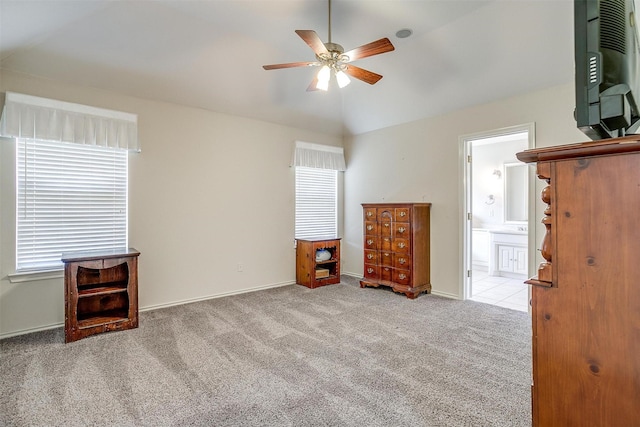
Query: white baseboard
{"points": [[445, 294], [214, 296], [349, 273], [31, 330]]}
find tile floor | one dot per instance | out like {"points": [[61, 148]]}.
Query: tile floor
{"points": [[501, 291]]}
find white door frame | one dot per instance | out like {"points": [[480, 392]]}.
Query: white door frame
{"points": [[465, 190]]}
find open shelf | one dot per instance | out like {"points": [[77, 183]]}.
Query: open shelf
{"points": [[307, 265], [103, 318], [101, 293], [103, 289]]}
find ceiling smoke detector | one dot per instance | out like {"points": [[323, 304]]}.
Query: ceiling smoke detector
{"points": [[404, 33]]}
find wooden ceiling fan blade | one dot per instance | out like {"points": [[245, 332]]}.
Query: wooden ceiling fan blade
{"points": [[290, 65], [311, 38], [374, 48], [362, 74], [313, 86]]}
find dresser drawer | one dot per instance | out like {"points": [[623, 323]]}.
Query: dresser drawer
{"points": [[403, 214], [371, 242], [386, 258], [386, 214], [370, 228], [371, 257], [401, 229], [402, 276], [371, 271], [400, 246], [402, 261], [385, 227], [386, 273], [385, 244], [370, 214]]}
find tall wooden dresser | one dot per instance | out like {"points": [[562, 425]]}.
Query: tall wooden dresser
{"points": [[397, 247], [586, 297]]}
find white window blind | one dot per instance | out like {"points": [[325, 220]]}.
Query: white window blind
{"points": [[316, 203], [70, 197]]}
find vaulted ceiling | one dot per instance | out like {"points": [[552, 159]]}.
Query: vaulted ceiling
{"points": [[209, 53]]}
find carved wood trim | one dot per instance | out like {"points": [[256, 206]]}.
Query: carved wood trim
{"points": [[545, 269]]}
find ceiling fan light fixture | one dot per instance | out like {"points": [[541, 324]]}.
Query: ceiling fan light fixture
{"points": [[342, 79], [323, 77], [324, 74], [322, 85]]}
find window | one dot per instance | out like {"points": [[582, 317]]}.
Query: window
{"points": [[316, 203], [70, 197]]}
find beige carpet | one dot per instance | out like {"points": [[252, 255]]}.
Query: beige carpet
{"points": [[291, 356]]}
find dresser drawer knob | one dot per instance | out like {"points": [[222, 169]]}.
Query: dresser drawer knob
{"points": [[369, 227], [386, 224], [386, 269], [401, 229], [386, 254], [402, 261], [401, 245], [402, 276], [369, 270], [403, 213], [370, 256], [369, 242], [369, 214]]}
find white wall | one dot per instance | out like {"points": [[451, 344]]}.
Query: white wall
{"points": [[211, 190], [420, 161], [208, 191]]}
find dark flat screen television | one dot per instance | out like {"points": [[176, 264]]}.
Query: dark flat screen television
{"points": [[607, 67]]}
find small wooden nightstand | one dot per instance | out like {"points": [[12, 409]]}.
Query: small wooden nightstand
{"points": [[312, 273]]}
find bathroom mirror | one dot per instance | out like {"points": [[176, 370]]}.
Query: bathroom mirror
{"points": [[515, 192]]}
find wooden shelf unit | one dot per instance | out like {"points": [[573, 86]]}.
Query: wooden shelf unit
{"points": [[101, 292], [306, 264]]}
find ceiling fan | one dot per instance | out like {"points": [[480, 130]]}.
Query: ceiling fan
{"points": [[332, 58]]}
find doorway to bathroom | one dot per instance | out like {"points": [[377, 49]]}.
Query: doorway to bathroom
{"points": [[497, 210]]}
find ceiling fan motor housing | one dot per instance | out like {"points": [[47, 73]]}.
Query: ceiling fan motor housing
{"points": [[334, 57], [334, 48]]}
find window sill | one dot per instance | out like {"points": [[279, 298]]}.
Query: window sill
{"points": [[31, 276]]}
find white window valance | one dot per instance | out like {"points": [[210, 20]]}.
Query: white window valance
{"points": [[318, 156], [32, 117]]}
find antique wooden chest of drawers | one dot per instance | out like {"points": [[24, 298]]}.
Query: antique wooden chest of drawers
{"points": [[397, 247]]}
